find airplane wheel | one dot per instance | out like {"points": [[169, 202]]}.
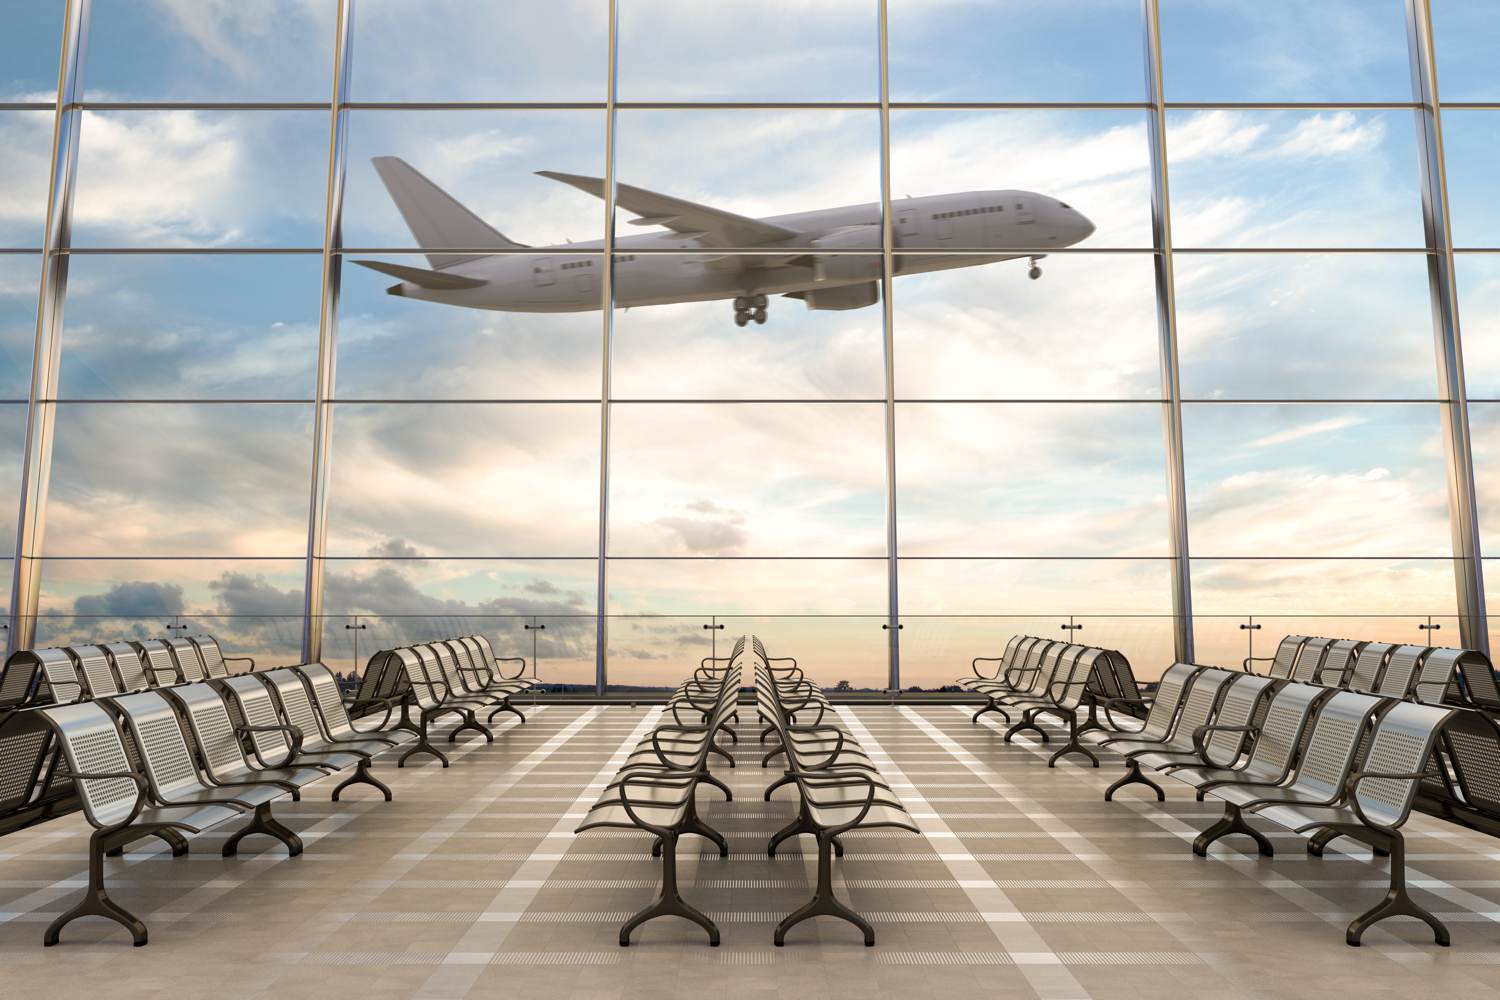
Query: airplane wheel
{"points": [[742, 303], [758, 302], [759, 315], [741, 317], [1034, 273]]}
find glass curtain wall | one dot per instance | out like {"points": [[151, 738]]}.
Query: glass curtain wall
{"points": [[1138, 321]]}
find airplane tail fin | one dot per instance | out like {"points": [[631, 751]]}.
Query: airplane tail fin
{"points": [[435, 217]]}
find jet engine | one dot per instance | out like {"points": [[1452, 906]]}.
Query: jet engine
{"points": [[830, 262], [840, 296]]}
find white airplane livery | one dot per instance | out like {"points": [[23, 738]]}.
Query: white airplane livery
{"points": [[807, 255]]}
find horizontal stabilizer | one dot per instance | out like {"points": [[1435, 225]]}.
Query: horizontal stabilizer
{"points": [[420, 276]]}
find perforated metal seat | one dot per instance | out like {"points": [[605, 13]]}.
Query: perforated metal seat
{"points": [[129, 666], [338, 723], [274, 741], [158, 658], [1310, 659], [189, 661], [1276, 741], [94, 666], [223, 755], [1285, 659], [1400, 671], [297, 709], [215, 663], [1368, 667], [1223, 740]]}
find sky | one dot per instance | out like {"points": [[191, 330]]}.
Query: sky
{"points": [[1030, 479]]}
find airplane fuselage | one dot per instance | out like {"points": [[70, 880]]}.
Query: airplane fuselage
{"points": [[834, 248]]}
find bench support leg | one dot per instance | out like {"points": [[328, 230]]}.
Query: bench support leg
{"points": [[710, 779], [1133, 776], [362, 776], [1397, 902], [991, 707], [507, 707], [263, 822], [176, 841], [766, 760], [1092, 722], [824, 903], [721, 752], [1028, 721], [469, 722], [1233, 821], [670, 903], [423, 745], [96, 902], [1073, 745]]}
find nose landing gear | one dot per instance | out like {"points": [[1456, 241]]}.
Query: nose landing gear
{"points": [[749, 307], [1035, 272]]}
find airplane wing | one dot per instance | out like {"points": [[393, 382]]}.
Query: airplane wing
{"points": [[712, 226]]}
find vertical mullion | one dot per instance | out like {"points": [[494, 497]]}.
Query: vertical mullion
{"points": [[607, 310], [1166, 319], [338, 142], [41, 410], [887, 279], [1443, 287]]}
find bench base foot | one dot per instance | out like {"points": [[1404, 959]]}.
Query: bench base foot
{"points": [[1233, 821], [263, 822], [96, 901], [1133, 776], [824, 903], [991, 707], [670, 903], [1025, 724], [470, 723], [507, 707], [423, 745], [362, 776], [1397, 902]]}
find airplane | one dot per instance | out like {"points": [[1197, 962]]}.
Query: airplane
{"points": [[815, 263]]}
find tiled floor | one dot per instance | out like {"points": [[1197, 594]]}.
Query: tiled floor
{"points": [[1023, 883]]}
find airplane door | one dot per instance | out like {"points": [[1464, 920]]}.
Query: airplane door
{"points": [[944, 225], [541, 272], [906, 223], [1023, 210]]}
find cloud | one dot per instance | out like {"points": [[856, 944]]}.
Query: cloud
{"points": [[132, 599], [1305, 430]]}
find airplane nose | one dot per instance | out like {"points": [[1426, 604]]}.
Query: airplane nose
{"points": [[1082, 227]]}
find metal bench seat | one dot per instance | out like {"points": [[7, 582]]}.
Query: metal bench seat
{"points": [[1226, 737], [272, 739], [1003, 663], [465, 681], [338, 724], [1275, 747], [222, 752], [1179, 695], [129, 666], [1281, 664], [299, 712]]}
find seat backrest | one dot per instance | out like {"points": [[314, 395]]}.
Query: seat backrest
{"points": [[1286, 656], [92, 744], [1281, 732], [158, 735], [447, 662], [160, 661], [59, 674], [325, 691], [93, 664], [1237, 709], [18, 680], [1479, 679], [212, 656], [1404, 738], [1472, 742], [1437, 679], [371, 678], [1168, 699], [1367, 666], [1083, 664], [1014, 670], [426, 692], [1202, 698], [213, 729], [1310, 659], [1336, 661], [296, 703], [189, 661], [1400, 671], [258, 709], [128, 665], [434, 667], [1335, 739]]}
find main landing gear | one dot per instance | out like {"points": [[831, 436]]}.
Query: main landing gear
{"points": [[1036, 271], [748, 307]]}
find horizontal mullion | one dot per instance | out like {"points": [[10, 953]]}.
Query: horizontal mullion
{"points": [[156, 251], [51, 556], [197, 106], [174, 401], [1292, 105], [28, 106]]}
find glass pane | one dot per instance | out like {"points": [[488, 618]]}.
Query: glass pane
{"points": [[252, 606], [991, 479], [406, 600], [162, 479], [1035, 180], [828, 345], [1307, 480], [955, 609], [464, 479], [179, 326], [1313, 326], [1085, 330], [829, 610], [20, 276], [1479, 315], [201, 178], [1033, 50], [485, 160], [1484, 439], [1294, 179], [395, 345], [773, 50], [752, 479], [1471, 144], [1333, 50], [25, 170], [12, 460], [1466, 35], [477, 50], [30, 50], [269, 50], [822, 167]]}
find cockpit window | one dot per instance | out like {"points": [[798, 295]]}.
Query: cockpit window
{"points": [[1063, 204]]}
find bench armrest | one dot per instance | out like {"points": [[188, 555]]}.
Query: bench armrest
{"points": [[1122, 700], [510, 659], [141, 790], [864, 809], [974, 666], [1201, 745], [240, 659], [660, 831], [294, 741], [1352, 785], [1245, 664]]}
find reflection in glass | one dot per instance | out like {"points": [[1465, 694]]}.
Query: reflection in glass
{"points": [[1037, 180], [269, 50], [752, 479], [12, 451], [179, 326], [1471, 147], [162, 479], [1313, 326], [1479, 318], [1033, 50], [1332, 50], [25, 167], [201, 178], [477, 50], [1086, 329], [1335, 178], [782, 169], [808, 347], [746, 52], [1311, 480], [1484, 440], [988, 479], [19, 277], [464, 479]]}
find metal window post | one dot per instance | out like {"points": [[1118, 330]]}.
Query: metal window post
{"points": [[41, 411], [338, 143], [1462, 507], [1166, 318], [607, 311], [887, 280]]}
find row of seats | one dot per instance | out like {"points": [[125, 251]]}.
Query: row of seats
{"points": [[839, 787], [1429, 674], [70, 673], [655, 790], [1316, 758]]}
